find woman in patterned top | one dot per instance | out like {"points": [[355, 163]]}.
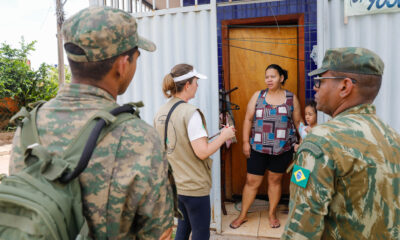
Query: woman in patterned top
{"points": [[269, 134]]}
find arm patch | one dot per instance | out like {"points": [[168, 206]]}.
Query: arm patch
{"points": [[305, 146], [311, 147]]}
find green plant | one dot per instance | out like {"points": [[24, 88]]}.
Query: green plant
{"points": [[19, 81], [53, 74]]}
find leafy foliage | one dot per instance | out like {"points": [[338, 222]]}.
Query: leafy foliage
{"points": [[53, 74], [22, 83], [19, 81]]}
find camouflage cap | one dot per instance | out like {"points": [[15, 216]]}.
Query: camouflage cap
{"points": [[351, 60], [102, 33]]}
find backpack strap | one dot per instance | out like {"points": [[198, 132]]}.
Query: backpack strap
{"points": [[167, 120], [54, 167], [29, 133], [177, 213], [21, 114], [94, 135]]}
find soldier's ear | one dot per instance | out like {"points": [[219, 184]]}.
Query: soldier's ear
{"points": [[122, 64], [346, 87]]}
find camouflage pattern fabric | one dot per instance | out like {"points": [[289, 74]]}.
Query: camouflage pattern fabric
{"points": [[125, 188], [102, 33], [351, 60], [353, 191]]}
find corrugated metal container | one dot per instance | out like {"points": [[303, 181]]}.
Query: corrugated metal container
{"points": [[378, 32]]}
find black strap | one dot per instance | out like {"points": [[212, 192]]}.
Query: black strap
{"points": [[167, 120], [91, 144]]}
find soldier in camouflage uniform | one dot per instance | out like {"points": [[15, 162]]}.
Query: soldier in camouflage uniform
{"points": [[125, 187], [346, 178]]}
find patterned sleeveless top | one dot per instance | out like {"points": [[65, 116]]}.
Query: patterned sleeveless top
{"points": [[273, 130]]}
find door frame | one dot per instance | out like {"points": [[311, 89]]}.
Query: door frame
{"points": [[297, 19]]}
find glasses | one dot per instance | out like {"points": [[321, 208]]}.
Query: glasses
{"points": [[317, 80]]}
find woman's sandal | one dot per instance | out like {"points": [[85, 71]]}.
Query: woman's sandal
{"points": [[274, 223], [233, 227]]}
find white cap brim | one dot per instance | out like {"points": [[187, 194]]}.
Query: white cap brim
{"points": [[201, 76], [189, 75]]}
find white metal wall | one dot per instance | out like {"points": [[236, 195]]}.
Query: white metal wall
{"points": [[379, 33], [182, 35]]}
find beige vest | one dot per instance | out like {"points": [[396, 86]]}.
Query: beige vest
{"points": [[192, 175]]}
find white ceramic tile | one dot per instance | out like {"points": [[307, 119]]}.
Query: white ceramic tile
{"points": [[249, 228], [266, 231]]}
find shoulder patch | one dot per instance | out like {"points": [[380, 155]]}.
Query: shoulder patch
{"points": [[300, 176], [311, 147]]}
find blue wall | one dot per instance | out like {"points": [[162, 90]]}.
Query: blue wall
{"points": [[308, 7]]}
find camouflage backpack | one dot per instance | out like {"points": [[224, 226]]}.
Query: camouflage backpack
{"points": [[44, 201]]}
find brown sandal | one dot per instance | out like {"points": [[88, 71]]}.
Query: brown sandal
{"points": [[233, 227], [274, 223]]}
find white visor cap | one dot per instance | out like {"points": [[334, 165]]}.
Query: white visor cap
{"points": [[189, 75]]}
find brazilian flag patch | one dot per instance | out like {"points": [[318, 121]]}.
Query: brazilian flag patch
{"points": [[300, 176]]}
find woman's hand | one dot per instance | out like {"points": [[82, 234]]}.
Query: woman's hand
{"points": [[203, 149], [246, 149], [228, 132]]}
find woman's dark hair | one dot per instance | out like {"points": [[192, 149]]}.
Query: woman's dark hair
{"points": [[312, 104], [281, 71], [170, 88]]}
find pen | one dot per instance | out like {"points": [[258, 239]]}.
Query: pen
{"points": [[218, 133]]}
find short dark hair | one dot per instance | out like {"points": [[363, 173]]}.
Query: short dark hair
{"points": [[281, 71], [368, 85], [93, 70], [312, 104]]}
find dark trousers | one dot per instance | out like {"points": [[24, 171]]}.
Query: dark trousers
{"points": [[196, 213]]}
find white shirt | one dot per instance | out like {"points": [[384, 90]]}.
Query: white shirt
{"points": [[195, 127]]}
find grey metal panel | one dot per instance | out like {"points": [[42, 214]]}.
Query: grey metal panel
{"points": [[181, 37], [378, 32]]}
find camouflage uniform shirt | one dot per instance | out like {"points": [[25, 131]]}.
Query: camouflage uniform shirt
{"points": [[125, 188], [353, 191]]}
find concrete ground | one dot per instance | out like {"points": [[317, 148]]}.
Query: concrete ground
{"points": [[4, 158]]}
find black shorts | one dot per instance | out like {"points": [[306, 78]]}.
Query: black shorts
{"points": [[259, 162]]}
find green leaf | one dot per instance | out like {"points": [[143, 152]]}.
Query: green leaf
{"points": [[19, 81]]}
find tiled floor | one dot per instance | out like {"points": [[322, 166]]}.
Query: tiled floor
{"points": [[257, 225]]}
